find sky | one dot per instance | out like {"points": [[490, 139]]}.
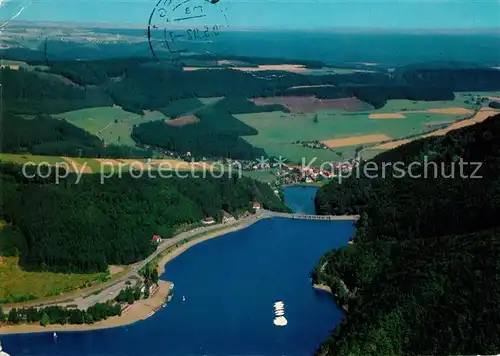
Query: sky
{"points": [[299, 14]]}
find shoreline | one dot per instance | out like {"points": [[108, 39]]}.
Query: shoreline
{"points": [[323, 287], [138, 311], [141, 309], [208, 236]]}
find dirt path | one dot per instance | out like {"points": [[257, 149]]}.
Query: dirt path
{"points": [[77, 167]]}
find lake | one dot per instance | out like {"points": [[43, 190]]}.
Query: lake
{"points": [[230, 285]]}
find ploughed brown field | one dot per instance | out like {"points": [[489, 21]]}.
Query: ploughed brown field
{"points": [[183, 120], [311, 104]]}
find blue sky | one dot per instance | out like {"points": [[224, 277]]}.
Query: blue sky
{"points": [[385, 14]]}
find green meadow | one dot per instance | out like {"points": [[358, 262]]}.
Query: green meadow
{"points": [[25, 158], [278, 130], [263, 176], [112, 124]]}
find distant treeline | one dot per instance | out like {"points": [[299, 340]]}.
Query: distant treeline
{"points": [[139, 84], [85, 227], [422, 275], [44, 135], [29, 92]]}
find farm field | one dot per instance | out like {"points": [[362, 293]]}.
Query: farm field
{"points": [[14, 65], [17, 283], [356, 140], [293, 68], [278, 130], [263, 176], [403, 105], [480, 116], [311, 104], [112, 124], [25, 158]]}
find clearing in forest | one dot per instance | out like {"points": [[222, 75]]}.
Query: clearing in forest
{"points": [[183, 121]]}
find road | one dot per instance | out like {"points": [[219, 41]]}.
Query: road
{"points": [[105, 291], [110, 289]]}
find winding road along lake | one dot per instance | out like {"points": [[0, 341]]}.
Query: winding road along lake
{"points": [[230, 284]]}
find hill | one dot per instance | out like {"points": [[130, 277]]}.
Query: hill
{"points": [[84, 227], [421, 277], [44, 135]]}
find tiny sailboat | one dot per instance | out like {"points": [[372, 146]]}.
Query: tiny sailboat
{"points": [[183, 298]]}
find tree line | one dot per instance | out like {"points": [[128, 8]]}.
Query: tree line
{"points": [[421, 275], [139, 84], [61, 315], [84, 227]]}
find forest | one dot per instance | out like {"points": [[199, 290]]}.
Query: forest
{"points": [[217, 134], [31, 92], [85, 227], [44, 135], [421, 276], [139, 84]]}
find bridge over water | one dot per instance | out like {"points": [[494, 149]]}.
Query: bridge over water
{"points": [[313, 217]]}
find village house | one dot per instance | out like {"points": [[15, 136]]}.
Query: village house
{"points": [[256, 206], [156, 239], [227, 217], [208, 220]]}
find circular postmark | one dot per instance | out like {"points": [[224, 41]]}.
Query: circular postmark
{"points": [[183, 27]]}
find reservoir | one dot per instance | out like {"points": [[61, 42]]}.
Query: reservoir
{"points": [[230, 284]]}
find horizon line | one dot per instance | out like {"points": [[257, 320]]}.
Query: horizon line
{"points": [[489, 30]]}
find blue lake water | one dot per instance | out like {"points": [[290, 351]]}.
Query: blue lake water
{"points": [[230, 284], [301, 199]]}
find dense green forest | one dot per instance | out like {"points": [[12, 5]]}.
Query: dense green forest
{"points": [[44, 135], [494, 104], [217, 134], [422, 275], [30, 92], [84, 227], [139, 84]]}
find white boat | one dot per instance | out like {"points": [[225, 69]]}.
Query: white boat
{"points": [[1, 352], [183, 298], [55, 335]]}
